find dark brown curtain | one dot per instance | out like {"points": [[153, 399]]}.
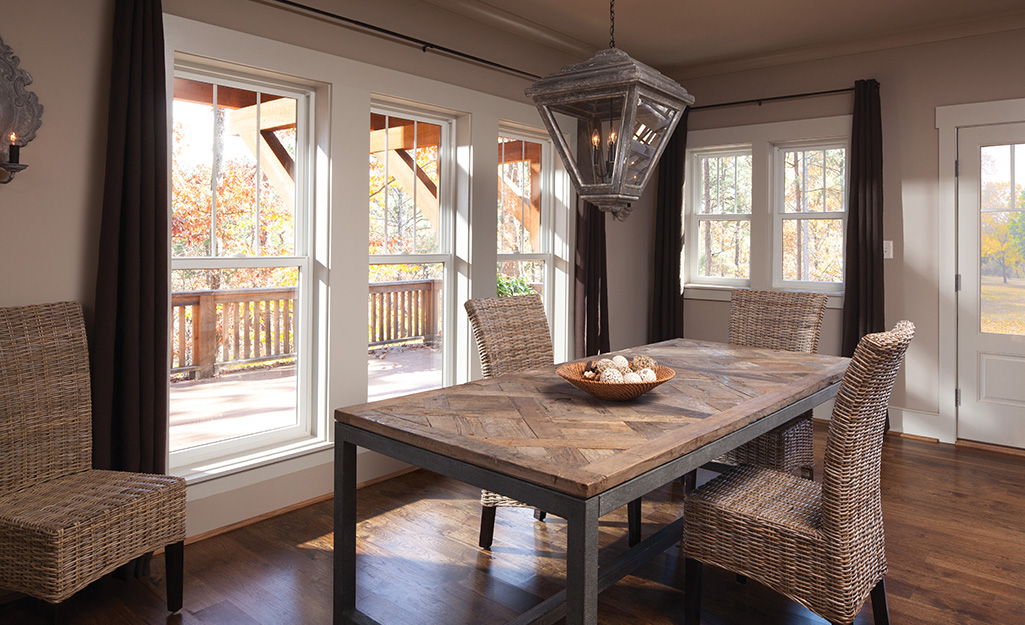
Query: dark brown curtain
{"points": [[129, 352], [665, 315], [863, 277], [592, 291]]}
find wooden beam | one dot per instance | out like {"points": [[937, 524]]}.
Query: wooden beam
{"points": [[426, 196], [274, 161], [402, 137]]}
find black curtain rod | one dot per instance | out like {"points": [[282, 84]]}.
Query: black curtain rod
{"points": [[759, 101], [424, 45]]}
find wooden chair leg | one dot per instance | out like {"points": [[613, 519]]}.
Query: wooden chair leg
{"points": [[174, 564], [487, 526], [633, 521], [692, 593], [55, 613], [879, 610], [540, 514]]}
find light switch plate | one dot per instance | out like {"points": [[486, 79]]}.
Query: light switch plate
{"points": [[888, 250]]}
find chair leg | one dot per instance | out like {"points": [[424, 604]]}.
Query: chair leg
{"points": [[690, 482], [808, 473], [633, 521], [540, 514], [692, 593], [55, 614], [879, 609], [174, 564], [487, 526]]}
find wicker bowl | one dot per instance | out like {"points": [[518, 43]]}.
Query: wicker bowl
{"points": [[572, 372]]}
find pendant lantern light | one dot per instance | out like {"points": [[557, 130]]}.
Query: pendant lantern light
{"points": [[628, 109]]}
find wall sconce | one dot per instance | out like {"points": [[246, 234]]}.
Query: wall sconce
{"points": [[20, 113]]}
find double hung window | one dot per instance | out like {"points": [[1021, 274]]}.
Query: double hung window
{"points": [[411, 224], [240, 264], [525, 259], [766, 206]]}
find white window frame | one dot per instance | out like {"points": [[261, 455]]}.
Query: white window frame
{"points": [[446, 224], [766, 142], [780, 215], [213, 459], [547, 238], [693, 218]]}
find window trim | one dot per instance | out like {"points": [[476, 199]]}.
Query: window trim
{"points": [[763, 139], [309, 433]]}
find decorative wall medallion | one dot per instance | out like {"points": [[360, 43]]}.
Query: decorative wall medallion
{"points": [[20, 110]]}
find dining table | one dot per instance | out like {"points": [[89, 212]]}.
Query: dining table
{"points": [[535, 438]]}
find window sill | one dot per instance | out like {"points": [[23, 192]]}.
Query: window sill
{"points": [[199, 472], [718, 293]]}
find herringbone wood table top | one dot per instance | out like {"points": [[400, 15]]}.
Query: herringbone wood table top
{"points": [[536, 426]]}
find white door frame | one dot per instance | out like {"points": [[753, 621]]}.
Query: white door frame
{"points": [[948, 120]]}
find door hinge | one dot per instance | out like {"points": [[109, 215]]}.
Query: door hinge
{"points": [[957, 282], [957, 397], [957, 168]]}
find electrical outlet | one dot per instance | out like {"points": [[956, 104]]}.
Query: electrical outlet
{"points": [[888, 250]]}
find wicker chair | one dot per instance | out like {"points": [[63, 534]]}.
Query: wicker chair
{"points": [[820, 545], [786, 321], [63, 524], [512, 335]]}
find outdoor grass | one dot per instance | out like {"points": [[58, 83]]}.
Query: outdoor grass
{"points": [[1003, 305]]}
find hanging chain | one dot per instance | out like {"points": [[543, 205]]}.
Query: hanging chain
{"points": [[612, 23]]}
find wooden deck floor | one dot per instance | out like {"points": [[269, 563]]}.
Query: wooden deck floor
{"points": [[954, 528], [233, 404]]}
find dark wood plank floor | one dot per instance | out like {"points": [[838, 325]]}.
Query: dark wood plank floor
{"points": [[955, 528]]}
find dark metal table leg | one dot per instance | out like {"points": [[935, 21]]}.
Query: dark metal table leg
{"points": [[345, 531], [582, 566]]}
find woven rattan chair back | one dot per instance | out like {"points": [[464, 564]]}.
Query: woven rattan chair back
{"points": [[512, 333], [851, 509], [777, 320], [45, 405]]}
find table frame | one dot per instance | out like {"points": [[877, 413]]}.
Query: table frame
{"points": [[578, 602]]}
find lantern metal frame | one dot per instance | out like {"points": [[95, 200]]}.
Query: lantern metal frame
{"points": [[610, 75]]}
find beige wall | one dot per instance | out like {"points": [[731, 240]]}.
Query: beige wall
{"points": [[914, 81], [49, 238]]}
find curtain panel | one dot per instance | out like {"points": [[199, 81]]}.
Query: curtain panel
{"points": [[665, 313], [863, 275], [591, 296], [129, 352]]}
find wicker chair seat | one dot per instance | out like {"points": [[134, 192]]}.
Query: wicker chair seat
{"points": [[56, 537]]}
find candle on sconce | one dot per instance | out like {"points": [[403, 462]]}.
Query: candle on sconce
{"points": [[612, 149], [15, 152], [596, 152]]}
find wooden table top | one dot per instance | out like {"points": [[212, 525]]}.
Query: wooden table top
{"points": [[537, 427]]}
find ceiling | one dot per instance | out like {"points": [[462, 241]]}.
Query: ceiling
{"points": [[681, 36]]}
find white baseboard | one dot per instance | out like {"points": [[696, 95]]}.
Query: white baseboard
{"points": [[927, 424], [274, 487]]}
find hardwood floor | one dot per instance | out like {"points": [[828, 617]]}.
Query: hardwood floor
{"points": [[955, 529]]}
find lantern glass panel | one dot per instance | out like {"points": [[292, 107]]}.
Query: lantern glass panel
{"points": [[602, 117], [651, 127]]}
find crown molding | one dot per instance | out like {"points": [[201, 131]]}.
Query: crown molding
{"points": [[516, 25], [944, 32]]}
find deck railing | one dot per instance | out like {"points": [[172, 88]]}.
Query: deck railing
{"points": [[214, 328], [210, 329], [404, 311]]}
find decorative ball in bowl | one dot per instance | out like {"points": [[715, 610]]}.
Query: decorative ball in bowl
{"points": [[573, 372]]}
